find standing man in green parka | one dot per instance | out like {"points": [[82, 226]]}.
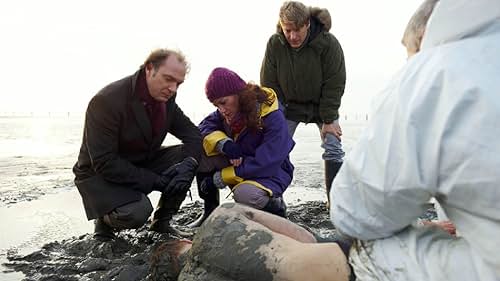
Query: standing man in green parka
{"points": [[304, 64]]}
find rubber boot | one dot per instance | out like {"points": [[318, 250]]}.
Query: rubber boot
{"points": [[211, 200], [277, 206], [102, 231], [331, 170], [166, 209]]}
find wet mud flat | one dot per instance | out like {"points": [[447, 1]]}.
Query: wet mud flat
{"points": [[135, 254], [140, 254]]}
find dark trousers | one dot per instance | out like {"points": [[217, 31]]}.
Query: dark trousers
{"points": [[121, 213]]}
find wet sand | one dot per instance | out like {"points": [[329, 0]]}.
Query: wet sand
{"points": [[27, 226]]}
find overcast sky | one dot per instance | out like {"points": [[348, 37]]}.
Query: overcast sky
{"points": [[57, 54]]}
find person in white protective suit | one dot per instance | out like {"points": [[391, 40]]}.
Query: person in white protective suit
{"points": [[412, 40], [434, 134]]}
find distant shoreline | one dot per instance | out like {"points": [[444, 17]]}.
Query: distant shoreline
{"points": [[361, 116], [40, 114]]}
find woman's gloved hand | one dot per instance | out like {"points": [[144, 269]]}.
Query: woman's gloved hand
{"points": [[232, 150]]}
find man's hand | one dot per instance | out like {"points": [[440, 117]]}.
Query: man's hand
{"points": [[182, 175], [164, 179], [332, 128], [232, 150], [236, 162]]}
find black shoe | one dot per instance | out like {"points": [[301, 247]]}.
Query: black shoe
{"points": [[163, 226], [331, 170], [102, 230]]}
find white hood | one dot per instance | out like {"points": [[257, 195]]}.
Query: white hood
{"points": [[455, 19]]}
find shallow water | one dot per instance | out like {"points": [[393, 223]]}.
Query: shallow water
{"points": [[37, 154], [26, 226]]}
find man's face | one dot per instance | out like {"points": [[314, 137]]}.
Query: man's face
{"points": [[163, 82], [293, 34]]}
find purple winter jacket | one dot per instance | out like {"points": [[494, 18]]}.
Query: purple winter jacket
{"points": [[266, 162]]}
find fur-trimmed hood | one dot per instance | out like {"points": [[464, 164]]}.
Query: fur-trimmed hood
{"points": [[323, 17], [320, 14]]}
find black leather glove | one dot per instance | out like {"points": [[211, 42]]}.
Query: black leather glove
{"points": [[164, 179], [232, 150], [182, 175]]}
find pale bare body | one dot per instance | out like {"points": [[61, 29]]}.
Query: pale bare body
{"points": [[241, 243]]}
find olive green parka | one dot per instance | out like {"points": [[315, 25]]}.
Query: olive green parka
{"points": [[309, 80]]}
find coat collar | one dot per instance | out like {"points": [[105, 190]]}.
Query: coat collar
{"points": [[139, 110], [266, 109]]}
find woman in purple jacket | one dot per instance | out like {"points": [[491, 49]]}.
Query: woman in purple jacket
{"points": [[246, 144]]}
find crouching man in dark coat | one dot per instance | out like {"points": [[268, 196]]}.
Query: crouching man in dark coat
{"points": [[121, 159]]}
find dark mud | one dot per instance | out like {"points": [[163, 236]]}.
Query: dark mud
{"points": [[135, 254]]}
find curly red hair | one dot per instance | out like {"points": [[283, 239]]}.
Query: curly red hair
{"points": [[250, 99]]}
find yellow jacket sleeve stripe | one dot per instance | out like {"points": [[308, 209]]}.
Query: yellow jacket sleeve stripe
{"points": [[229, 176], [210, 142]]}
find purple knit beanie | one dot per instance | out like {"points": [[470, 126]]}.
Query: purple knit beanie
{"points": [[223, 82]]}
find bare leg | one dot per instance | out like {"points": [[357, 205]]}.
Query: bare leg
{"points": [[274, 223]]}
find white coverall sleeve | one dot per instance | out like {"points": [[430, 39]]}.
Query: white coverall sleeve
{"points": [[387, 178]]}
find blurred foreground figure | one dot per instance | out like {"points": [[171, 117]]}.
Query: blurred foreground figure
{"points": [[434, 133]]}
